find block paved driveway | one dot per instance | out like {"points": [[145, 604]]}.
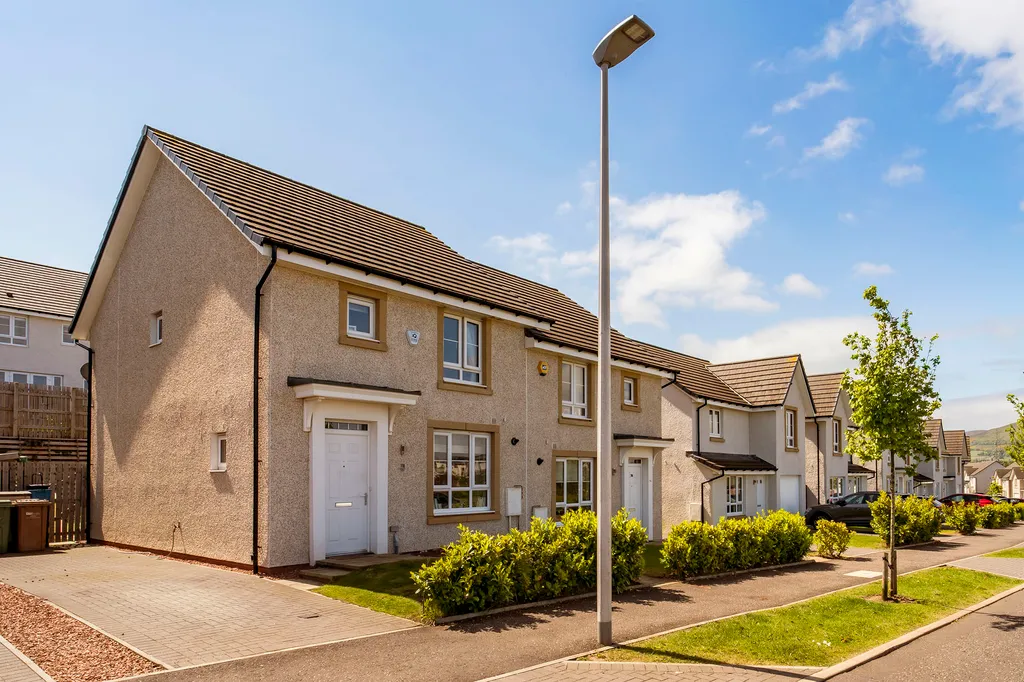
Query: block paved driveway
{"points": [[182, 614], [13, 669]]}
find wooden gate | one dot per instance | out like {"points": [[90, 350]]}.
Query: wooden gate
{"points": [[61, 465]]}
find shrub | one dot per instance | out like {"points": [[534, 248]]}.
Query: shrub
{"points": [[695, 548], [480, 571], [998, 515], [917, 519], [963, 518], [1019, 510], [832, 538]]}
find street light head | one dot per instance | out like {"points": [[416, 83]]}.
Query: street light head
{"points": [[622, 41]]}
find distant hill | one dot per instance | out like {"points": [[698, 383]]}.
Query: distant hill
{"points": [[989, 444]]}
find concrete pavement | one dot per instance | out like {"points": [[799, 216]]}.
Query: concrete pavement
{"points": [[474, 650]]}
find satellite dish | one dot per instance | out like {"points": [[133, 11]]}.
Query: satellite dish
{"points": [[85, 371]]}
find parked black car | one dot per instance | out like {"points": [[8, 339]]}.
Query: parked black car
{"points": [[967, 498], [851, 509]]}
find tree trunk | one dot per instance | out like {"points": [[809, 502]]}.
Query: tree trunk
{"points": [[892, 526]]}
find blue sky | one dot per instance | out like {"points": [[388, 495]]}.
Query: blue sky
{"points": [[770, 160]]}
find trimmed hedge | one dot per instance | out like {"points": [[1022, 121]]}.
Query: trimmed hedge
{"points": [[1018, 509], [961, 517], [832, 538], [917, 519], [996, 515], [480, 571], [695, 548]]}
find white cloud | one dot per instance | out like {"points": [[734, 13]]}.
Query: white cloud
{"points": [[848, 217], [758, 130], [670, 251], [811, 91], [840, 141], [872, 269], [984, 37], [977, 412], [535, 243], [563, 208], [902, 174], [1021, 206], [862, 20], [798, 285], [818, 340], [776, 141]]}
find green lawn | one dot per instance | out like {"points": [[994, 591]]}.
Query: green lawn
{"points": [[866, 541], [822, 631], [1012, 553], [386, 588], [652, 562]]}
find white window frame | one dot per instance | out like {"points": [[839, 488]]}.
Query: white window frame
{"points": [[65, 333], [734, 506], [790, 429], [572, 404], [156, 328], [218, 453], [837, 437], [840, 488], [53, 380], [629, 398], [464, 367], [473, 485], [369, 303], [562, 465], [714, 423], [12, 338]]}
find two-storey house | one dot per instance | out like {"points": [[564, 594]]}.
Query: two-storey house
{"points": [[36, 306], [828, 467], [282, 375]]}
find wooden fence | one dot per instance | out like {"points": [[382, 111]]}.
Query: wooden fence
{"points": [[37, 412], [59, 463]]}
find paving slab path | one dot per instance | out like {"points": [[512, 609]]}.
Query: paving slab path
{"points": [[487, 647], [13, 669], [182, 614]]}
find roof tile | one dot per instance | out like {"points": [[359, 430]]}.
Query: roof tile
{"points": [[36, 288]]}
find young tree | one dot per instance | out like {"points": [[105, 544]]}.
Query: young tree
{"points": [[892, 393], [1015, 448], [995, 487]]}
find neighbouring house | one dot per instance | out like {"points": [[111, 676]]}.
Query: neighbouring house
{"points": [[958, 447], [929, 473], [282, 375], [1011, 479], [37, 303], [978, 476], [738, 442], [828, 467]]}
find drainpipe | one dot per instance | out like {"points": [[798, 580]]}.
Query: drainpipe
{"points": [[704, 483], [256, 413], [817, 457], [88, 443]]}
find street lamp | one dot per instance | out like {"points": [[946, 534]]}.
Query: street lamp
{"points": [[614, 48]]}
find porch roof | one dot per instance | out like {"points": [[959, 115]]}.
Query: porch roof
{"points": [[921, 478], [858, 470], [731, 462]]}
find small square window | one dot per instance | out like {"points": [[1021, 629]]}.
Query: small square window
{"points": [[361, 313], [65, 335], [156, 328], [219, 452]]}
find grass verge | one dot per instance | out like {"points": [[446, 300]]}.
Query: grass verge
{"points": [[1012, 553], [822, 631], [386, 588]]}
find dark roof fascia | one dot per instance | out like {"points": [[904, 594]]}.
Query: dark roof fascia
{"points": [[620, 436], [807, 384], [702, 459], [305, 381], [110, 226]]}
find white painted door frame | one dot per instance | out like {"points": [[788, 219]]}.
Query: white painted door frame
{"points": [[647, 455], [357, 503]]}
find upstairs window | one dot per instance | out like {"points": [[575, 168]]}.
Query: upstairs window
{"points": [[65, 335], [837, 437], [13, 330], [629, 391], [361, 315], [463, 352], [791, 429], [156, 328], [715, 420], [574, 390]]}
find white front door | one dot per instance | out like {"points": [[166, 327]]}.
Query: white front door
{"points": [[758, 484], [635, 493], [789, 493], [347, 467]]}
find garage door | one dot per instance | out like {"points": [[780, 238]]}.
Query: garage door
{"points": [[789, 493]]}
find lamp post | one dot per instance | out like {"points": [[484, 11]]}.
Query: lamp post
{"points": [[614, 48]]}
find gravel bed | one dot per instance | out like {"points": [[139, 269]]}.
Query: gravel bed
{"points": [[67, 649]]}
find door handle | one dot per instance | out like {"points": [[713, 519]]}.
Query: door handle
{"points": [[366, 499]]}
